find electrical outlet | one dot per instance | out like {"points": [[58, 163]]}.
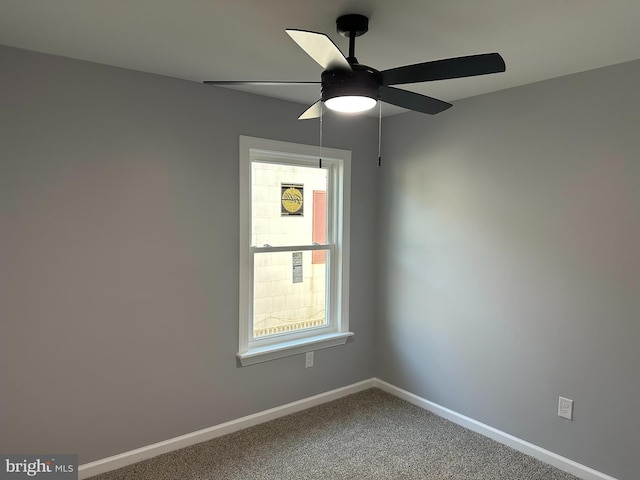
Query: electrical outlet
{"points": [[565, 408], [308, 360]]}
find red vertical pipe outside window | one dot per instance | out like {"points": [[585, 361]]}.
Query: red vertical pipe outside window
{"points": [[319, 232]]}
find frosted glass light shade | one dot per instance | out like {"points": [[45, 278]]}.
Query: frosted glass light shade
{"points": [[350, 103]]}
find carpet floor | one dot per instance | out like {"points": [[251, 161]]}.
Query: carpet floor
{"points": [[367, 435]]}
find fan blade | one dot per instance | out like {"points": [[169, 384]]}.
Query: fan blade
{"points": [[314, 111], [444, 69], [412, 101], [267, 82], [321, 48]]}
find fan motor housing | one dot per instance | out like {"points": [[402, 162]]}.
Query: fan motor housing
{"points": [[362, 81]]}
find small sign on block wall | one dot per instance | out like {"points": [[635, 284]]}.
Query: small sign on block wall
{"points": [[297, 267]]}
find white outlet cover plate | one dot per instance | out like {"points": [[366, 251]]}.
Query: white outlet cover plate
{"points": [[308, 360], [565, 408]]}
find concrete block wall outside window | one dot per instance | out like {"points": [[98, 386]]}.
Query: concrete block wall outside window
{"points": [[278, 301]]}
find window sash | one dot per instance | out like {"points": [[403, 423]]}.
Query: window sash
{"points": [[291, 248], [331, 314]]}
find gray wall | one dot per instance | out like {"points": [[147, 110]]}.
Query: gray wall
{"points": [[511, 273], [119, 257]]}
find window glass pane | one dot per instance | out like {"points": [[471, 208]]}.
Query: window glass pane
{"points": [[289, 293], [282, 204]]}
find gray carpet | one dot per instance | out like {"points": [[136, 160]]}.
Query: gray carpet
{"points": [[368, 435]]}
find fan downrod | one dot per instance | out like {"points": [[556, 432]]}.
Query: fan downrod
{"points": [[352, 26]]}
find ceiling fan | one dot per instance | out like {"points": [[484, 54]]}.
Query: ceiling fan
{"points": [[348, 86]]}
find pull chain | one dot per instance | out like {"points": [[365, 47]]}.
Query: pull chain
{"points": [[321, 112], [380, 134]]}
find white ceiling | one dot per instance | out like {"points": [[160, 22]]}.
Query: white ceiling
{"points": [[245, 39]]}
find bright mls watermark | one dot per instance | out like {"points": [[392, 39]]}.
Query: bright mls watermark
{"points": [[46, 467]]}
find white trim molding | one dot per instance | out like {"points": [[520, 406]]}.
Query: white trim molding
{"points": [[134, 456], [546, 456], [144, 453], [293, 347]]}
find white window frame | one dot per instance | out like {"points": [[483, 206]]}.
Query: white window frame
{"points": [[338, 165]]}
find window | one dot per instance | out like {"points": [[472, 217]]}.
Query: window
{"points": [[294, 249]]}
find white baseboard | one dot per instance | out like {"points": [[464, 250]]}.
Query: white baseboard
{"points": [[134, 456], [565, 464], [127, 458]]}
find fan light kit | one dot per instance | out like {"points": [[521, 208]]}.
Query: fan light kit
{"points": [[350, 104], [348, 86]]}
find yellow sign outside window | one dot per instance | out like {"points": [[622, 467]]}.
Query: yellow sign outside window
{"points": [[292, 199]]}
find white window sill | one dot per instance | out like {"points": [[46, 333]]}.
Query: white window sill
{"points": [[293, 347]]}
